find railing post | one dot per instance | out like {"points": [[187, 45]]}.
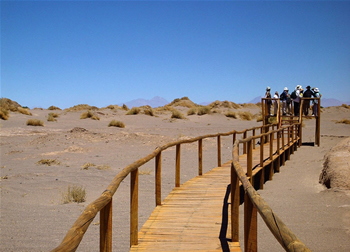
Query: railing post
{"points": [[278, 161], [262, 172], [250, 162], [200, 157], [254, 138], [283, 149], [219, 151], [245, 144], [134, 184], [177, 172], [318, 123], [106, 228], [235, 200], [250, 225], [271, 156], [158, 175]]}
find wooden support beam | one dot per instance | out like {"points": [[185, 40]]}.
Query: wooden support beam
{"points": [[134, 198], [158, 177], [200, 157], [177, 170], [250, 226], [219, 150], [106, 228]]}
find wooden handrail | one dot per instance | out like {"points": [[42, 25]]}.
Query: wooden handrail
{"points": [[253, 202], [103, 203]]}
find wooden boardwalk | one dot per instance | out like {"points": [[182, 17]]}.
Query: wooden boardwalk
{"points": [[195, 216]]}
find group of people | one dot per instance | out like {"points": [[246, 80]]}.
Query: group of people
{"points": [[294, 97]]}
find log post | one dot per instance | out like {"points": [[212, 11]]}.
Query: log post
{"points": [[254, 138], [177, 172], [235, 199], [271, 157], [219, 150], [200, 157], [106, 228], [158, 175], [250, 226], [262, 172], [278, 161], [250, 162], [134, 184], [245, 144], [283, 149]]}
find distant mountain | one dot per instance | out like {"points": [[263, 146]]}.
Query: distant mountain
{"points": [[154, 102]]}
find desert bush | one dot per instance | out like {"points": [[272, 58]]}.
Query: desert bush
{"points": [[52, 117], [345, 121], [192, 111], [89, 114], [203, 110], [24, 111], [116, 123], [259, 118], [48, 162], [272, 120], [54, 108], [183, 102], [4, 113], [231, 114], [133, 111], [246, 115], [35, 122], [86, 166], [125, 107], [9, 104], [345, 106], [177, 114], [80, 107], [74, 194], [147, 110]]}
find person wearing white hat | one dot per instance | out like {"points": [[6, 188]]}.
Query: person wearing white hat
{"points": [[285, 98], [296, 100], [315, 102]]}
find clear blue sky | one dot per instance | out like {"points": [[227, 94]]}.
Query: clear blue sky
{"points": [[65, 53]]}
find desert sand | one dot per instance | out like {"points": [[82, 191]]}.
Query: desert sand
{"points": [[34, 218]]}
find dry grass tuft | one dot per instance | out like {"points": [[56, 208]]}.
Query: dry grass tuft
{"points": [[4, 113], [345, 106], [52, 117], [147, 110], [183, 102], [103, 167], [203, 110], [35, 122], [192, 111], [164, 109], [272, 120], [133, 111], [246, 115], [89, 114], [115, 123], [125, 107], [54, 108], [74, 194], [9, 104], [24, 111], [80, 107], [231, 114], [345, 121], [224, 104], [177, 114], [48, 162], [259, 118], [86, 166]]}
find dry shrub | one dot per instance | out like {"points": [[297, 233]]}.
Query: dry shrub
{"points": [[249, 105], [192, 111], [259, 118], [115, 123], [246, 115], [231, 114], [272, 120], [125, 107], [133, 111], [9, 104], [177, 114], [80, 107], [183, 102], [345, 121], [35, 122], [345, 106], [89, 114], [203, 110], [147, 110], [110, 107], [48, 162], [74, 194], [224, 104], [103, 167], [164, 109], [52, 117], [86, 166], [54, 108], [24, 111], [4, 113]]}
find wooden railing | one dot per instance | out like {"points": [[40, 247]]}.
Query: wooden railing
{"points": [[103, 204], [253, 203]]}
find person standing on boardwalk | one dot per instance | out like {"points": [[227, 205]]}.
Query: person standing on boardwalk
{"points": [[306, 103], [285, 98], [296, 99], [315, 107], [268, 102], [275, 103]]}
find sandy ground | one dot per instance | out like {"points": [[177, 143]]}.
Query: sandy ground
{"points": [[33, 217]]}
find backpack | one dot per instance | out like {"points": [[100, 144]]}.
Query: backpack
{"points": [[293, 95]]}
